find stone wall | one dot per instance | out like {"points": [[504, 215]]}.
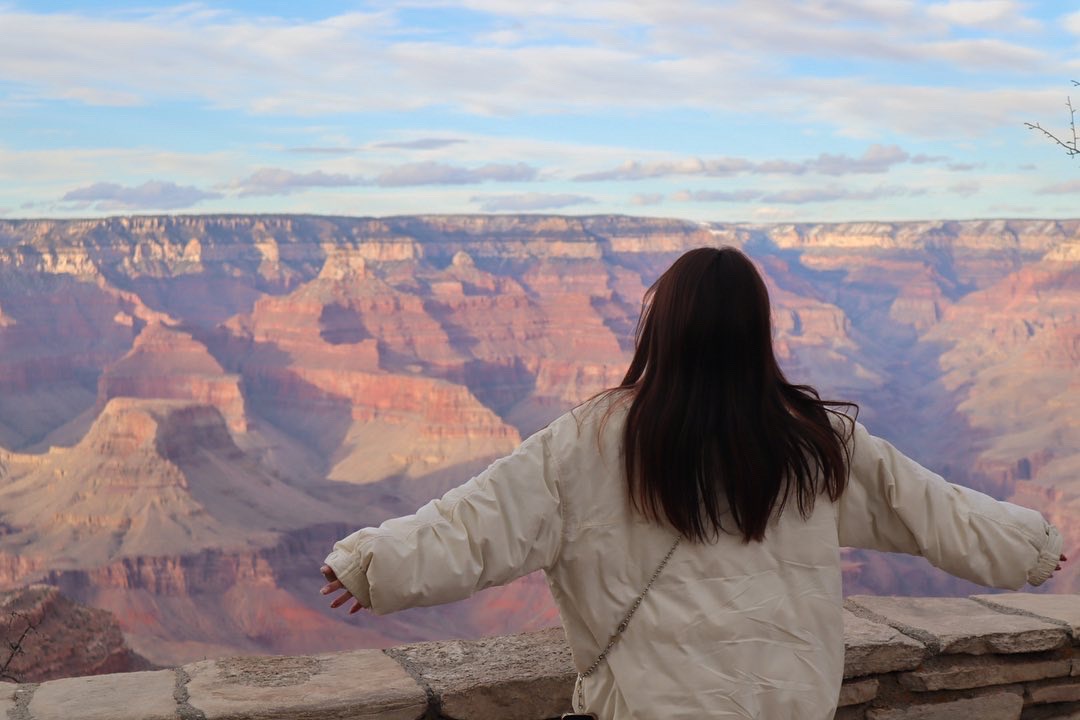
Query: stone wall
{"points": [[988, 657]]}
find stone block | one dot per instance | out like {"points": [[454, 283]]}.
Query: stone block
{"points": [[858, 691], [999, 706], [7, 699], [360, 685], [123, 696], [961, 625], [1054, 693], [1062, 608], [517, 677], [959, 672], [871, 648]]}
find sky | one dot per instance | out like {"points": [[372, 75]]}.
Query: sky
{"points": [[709, 110]]}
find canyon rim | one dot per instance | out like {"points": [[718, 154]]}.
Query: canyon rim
{"points": [[192, 408]]}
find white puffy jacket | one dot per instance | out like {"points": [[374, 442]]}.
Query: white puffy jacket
{"points": [[729, 630]]}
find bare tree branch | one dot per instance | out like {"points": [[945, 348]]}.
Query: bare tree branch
{"points": [[15, 647], [1071, 147]]}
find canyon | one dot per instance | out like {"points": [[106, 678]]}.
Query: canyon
{"points": [[194, 408]]}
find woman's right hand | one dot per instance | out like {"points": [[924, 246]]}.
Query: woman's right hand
{"points": [[333, 584]]}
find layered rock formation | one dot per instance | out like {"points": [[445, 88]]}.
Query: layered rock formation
{"points": [[64, 638], [192, 409]]}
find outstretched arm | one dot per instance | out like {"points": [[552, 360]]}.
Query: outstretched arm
{"points": [[504, 523], [894, 504]]}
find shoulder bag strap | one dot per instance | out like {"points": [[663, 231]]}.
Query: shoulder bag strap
{"points": [[579, 692]]}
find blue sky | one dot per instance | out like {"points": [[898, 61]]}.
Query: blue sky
{"points": [[745, 110]]}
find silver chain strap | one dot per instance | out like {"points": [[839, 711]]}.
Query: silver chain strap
{"points": [[580, 696]]}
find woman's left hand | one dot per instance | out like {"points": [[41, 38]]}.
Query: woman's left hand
{"points": [[334, 584]]}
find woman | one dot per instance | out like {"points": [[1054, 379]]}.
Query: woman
{"points": [[704, 441]]}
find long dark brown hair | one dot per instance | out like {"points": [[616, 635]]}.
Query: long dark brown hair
{"points": [[712, 414]]}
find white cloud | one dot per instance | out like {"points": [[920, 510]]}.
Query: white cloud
{"points": [[740, 61], [658, 53], [322, 150], [773, 214], [987, 53], [716, 195], [863, 109], [1006, 14], [1069, 187], [276, 181], [151, 195], [797, 196], [965, 189], [188, 55], [44, 175], [876, 159], [424, 143], [1071, 22], [436, 173], [635, 170], [802, 196], [279, 181], [529, 202], [891, 30], [645, 199], [78, 165]]}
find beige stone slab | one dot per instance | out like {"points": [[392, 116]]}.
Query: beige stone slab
{"points": [[1063, 608], [360, 685], [123, 696], [871, 648], [960, 672], [7, 698], [999, 706], [961, 625], [858, 691], [1054, 693], [517, 677]]}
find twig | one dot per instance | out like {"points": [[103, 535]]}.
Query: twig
{"points": [[1071, 147], [15, 648]]}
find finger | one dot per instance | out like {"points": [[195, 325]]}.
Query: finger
{"points": [[356, 606], [328, 572], [341, 599], [336, 585]]}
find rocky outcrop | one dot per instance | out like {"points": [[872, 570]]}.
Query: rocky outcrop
{"points": [[64, 637], [168, 363], [1021, 236], [150, 477]]}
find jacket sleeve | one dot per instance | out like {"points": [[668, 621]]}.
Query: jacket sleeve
{"points": [[504, 523], [894, 504]]}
